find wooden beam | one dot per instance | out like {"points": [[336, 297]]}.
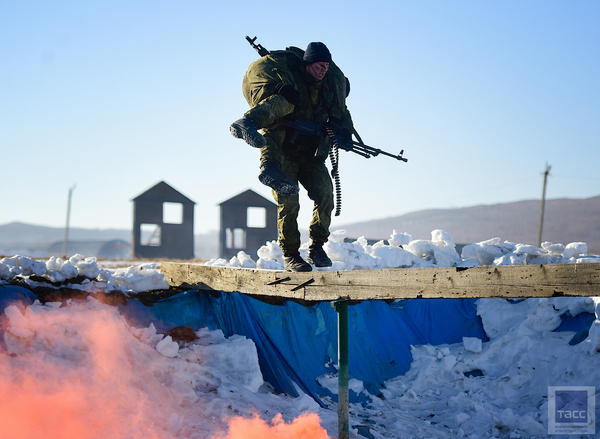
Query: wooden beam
{"points": [[515, 281]]}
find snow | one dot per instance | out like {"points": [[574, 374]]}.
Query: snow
{"points": [[78, 369], [401, 251], [143, 277], [167, 347], [472, 344]]}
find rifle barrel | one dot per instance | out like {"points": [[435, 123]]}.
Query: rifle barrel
{"points": [[360, 152], [371, 151]]}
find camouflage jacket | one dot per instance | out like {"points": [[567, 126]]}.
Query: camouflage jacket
{"points": [[320, 101]]}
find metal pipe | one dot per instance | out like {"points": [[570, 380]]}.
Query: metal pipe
{"points": [[343, 396]]}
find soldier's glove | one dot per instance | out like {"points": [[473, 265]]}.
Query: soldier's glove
{"points": [[342, 138], [288, 92], [345, 135]]}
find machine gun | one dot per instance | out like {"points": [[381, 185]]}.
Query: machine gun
{"points": [[304, 126], [332, 130], [260, 49]]}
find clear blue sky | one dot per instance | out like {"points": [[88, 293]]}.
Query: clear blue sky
{"points": [[115, 96]]}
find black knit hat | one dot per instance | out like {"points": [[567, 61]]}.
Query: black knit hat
{"points": [[316, 52]]}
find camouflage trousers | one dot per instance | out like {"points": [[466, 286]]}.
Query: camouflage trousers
{"points": [[298, 164], [317, 182]]}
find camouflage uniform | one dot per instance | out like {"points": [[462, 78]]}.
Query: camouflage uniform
{"points": [[319, 101]]}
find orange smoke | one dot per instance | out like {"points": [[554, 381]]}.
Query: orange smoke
{"points": [[69, 375], [78, 372], [305, 426], [29, 410], [27, 413]]}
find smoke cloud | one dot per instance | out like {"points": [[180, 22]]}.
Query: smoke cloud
{"points": [[306, 426], [76, 370]]}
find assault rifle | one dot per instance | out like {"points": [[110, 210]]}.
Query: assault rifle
{"points": [[260, 49], [304, 126]]}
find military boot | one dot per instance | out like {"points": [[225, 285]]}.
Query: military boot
{"points": [[317, 256], [271, 175], [246, 128], [294, 262]]}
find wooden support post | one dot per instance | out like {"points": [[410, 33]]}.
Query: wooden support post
{"points": [[343, 396]]}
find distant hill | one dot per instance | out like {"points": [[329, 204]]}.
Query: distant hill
{"points": [[41, 241], [25, 235], [565, 221]]}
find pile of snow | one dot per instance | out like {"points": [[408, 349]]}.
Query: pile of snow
{"points": [[498, 388], [401, 251], [144, 277]]}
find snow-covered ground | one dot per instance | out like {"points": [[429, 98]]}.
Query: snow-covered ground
{"points": [[76, 369]]}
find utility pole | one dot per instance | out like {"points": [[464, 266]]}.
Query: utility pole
{"points": [[546, 173], [66, 241]]}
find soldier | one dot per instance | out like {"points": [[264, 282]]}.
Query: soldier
{"points": [[295, 84]]}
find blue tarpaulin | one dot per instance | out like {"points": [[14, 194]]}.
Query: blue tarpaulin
{"points": [[13, 295], [298, 343]]}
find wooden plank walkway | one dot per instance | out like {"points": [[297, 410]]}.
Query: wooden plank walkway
{"points": [[515, 281]]}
